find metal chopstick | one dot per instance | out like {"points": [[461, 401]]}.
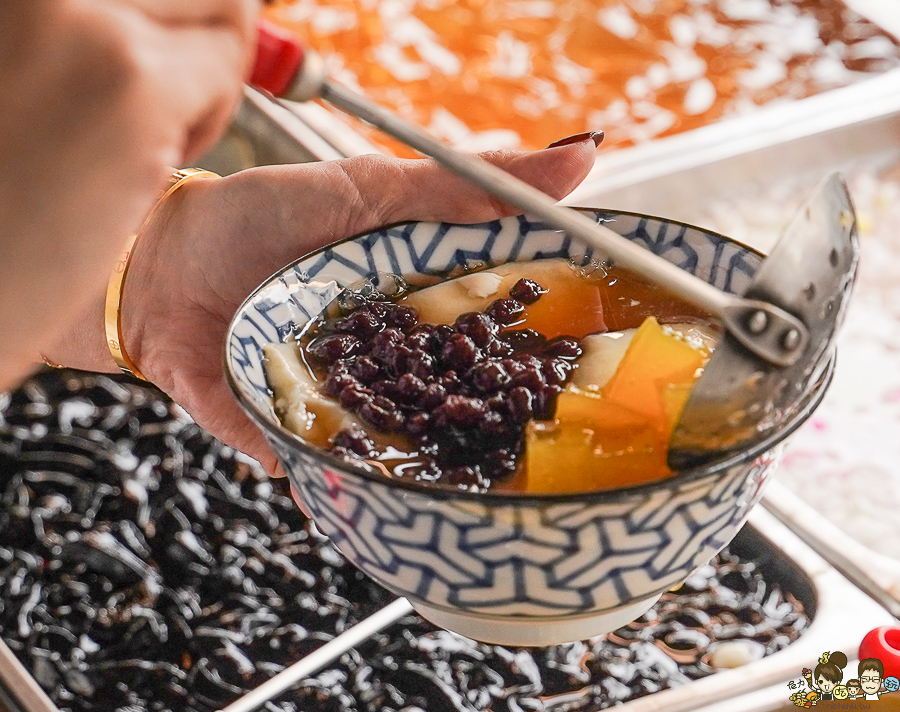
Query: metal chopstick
{"points": [[320, 657]]}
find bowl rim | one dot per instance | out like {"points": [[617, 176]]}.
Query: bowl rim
{"points": [[437, 491]]}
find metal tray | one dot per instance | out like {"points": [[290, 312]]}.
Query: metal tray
{"points": [[792, 144], [826, 594], [838, 129], [843, 616], [827, 597]]}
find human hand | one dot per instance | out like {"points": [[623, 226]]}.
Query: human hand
{"points": [[100, 98], [215, 240]]}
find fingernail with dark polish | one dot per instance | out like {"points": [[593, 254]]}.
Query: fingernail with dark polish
{"points": [[595, 136]]}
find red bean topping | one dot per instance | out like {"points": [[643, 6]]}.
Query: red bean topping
{"points": [[355, 397], [404, 318], [339, 379], [489, 376], [377, 309], [562, 347], [505, 311], [383, 414], [491, 424], [331, 348], [556, 372], [400, 360], [524, 339], [464, 411], [545, 402], [459, 353], [362, 324], [410, 388], [461, 394], [417, 424], [355, 440], [384, 346], [423, 337], [478, 327], [442, 332], [531, 377], [526, 291], [520, 404], [365, 369], [420, 364], [434, 395], [499, 349]]}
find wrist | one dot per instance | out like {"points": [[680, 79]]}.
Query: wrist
{"points": [[122, 315], [152, 298], [82, 345], [125, 344]]}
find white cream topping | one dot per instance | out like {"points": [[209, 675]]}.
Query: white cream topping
{"points": [[441, 303], [302, 407], [600, 357]]}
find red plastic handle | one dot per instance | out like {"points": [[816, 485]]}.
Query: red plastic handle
{"points": [[884, 644], [279, 56]]}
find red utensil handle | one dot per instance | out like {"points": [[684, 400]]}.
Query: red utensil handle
{"points": [[883, 644], [279, 57]]}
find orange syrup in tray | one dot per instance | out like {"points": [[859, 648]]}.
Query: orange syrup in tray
{"points": [[523, 73]]}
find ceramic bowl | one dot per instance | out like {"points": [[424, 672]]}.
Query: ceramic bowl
{"points": [[508, 568]]}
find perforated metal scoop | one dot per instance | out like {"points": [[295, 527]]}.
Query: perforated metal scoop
{"points": [[776, 334], [741, 397]]}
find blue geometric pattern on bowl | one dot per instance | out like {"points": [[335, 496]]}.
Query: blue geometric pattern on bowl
{"points": [[498, 554], [529, 557]]}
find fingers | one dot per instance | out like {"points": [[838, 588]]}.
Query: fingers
{"points": [[180, 64], [203, 69], [179, 12], [237, 17], [211, 90], [332, 200], [214, 408], [554, 171], [294, 210]]}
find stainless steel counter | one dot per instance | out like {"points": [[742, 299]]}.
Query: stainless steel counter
{"points": [[787, 144]]}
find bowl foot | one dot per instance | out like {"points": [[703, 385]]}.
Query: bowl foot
{"points": [[534, 631]]}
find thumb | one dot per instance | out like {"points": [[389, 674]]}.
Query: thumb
{"points": [[428, 191], [330, 200]]}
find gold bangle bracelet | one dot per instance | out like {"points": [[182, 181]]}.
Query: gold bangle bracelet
{"points": [[113, 311], [48, 362]]}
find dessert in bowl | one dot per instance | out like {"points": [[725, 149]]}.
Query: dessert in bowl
{"points": [[514, 564]]}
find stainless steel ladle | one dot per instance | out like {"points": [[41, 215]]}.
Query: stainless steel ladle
{"points": [[741, 397], [777, 335]]}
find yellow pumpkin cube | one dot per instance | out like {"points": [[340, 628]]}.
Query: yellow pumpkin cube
{"points": [[595, 444], [618, 436], [654, 364]]}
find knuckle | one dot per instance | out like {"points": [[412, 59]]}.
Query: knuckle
{"points": [[361, 172]]}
